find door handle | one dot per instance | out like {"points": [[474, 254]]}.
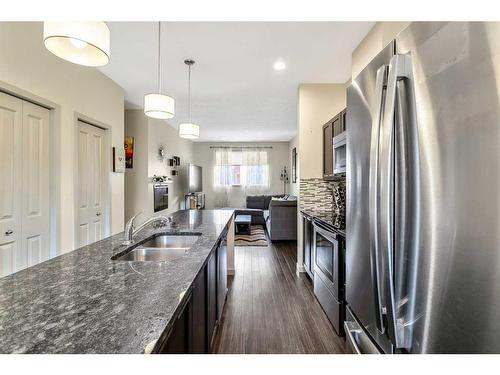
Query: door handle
{"points": [[9, 232], [399, 73], [373, 198], [98, 214]]}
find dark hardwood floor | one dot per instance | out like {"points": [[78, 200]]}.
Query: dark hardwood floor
{"points": [[270, 309]]}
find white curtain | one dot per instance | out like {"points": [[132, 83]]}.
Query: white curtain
{"points": [[256, 171], [239, 172], [222, 176]]}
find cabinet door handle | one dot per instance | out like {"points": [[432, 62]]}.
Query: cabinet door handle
{"points": [[9, 232], [98, 214]]}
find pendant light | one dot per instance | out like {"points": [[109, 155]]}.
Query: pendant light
{"points": [[158, 105], [83, 43], [188, 129]]}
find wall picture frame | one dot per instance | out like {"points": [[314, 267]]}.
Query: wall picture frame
{"points": [[294, 165], [128, 144], [118, 160]]}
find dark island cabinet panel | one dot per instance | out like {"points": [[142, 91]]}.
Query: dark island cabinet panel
{"points": [[211, 298], [221, 277], [199, 302], [179, 340], [196, 324]]}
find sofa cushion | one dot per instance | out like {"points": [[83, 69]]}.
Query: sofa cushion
{"points": [[256, 201]]}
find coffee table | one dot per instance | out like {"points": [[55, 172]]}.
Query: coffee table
{"points": [[242, 224]]}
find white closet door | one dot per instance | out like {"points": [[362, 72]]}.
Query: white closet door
{"points": [[91, 184], [35, 200], [10, 182]]}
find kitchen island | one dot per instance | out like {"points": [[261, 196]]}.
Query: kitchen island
{"points": [[84, 302]]}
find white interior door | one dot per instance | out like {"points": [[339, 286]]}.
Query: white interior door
{"points": [[35, 192], [92, 184], [10, 182], [24, 184]]}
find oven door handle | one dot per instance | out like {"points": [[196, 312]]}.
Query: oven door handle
{"points": [[328, 233]]}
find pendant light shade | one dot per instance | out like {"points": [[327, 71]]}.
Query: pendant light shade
{"points": [[158, 105], [188, 129], [83, 43]]}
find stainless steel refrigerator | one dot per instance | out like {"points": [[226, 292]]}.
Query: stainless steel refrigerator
{"points": [[423, 198]]}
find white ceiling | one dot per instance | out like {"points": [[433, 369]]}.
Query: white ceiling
{"points": [[236, 93]]}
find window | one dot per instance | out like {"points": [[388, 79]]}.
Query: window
{"points": [[241, 167]]}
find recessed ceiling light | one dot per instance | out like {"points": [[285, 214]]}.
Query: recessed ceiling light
{"points": [[279, 65]]}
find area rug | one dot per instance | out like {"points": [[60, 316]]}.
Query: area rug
{"points": [[257, 237]]}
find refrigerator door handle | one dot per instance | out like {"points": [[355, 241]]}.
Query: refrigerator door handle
{"points": [[373, 198], [399, 72]]}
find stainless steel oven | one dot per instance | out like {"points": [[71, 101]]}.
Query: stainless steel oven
{"points": [[328, 273], [339, 154], [160, 194]]}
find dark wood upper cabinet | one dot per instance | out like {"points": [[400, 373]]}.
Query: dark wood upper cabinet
{"points": [[334, 127], [327, 150]]}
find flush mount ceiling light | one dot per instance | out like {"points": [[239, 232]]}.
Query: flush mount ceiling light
{"points": [[158, 105], [188, 129], [83, 43], [279, 65]]}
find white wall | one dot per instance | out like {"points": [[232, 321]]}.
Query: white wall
{"points": [[25, 64], [278, 157], [149, 135]]}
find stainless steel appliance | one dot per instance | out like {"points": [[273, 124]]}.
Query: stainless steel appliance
{"points": [[339, 154], [160, 196], [328, 273], [423, 208]]}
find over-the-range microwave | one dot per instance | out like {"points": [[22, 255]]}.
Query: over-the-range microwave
{"points": [[339, 154]]}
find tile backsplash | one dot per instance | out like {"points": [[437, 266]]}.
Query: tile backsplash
{"points": [[318, 195]]}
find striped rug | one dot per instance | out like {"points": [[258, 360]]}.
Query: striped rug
{"points": [[257, 237]]}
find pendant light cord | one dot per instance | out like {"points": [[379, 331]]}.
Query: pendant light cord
{"points": [[159, 57], [189, 92]]}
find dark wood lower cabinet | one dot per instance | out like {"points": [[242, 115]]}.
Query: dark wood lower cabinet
{"points": [[221, 277], [178, 341], [196, 324], [199, 326], [212, 297]]}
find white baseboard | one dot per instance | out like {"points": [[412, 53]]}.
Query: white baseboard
{"points": [[300, 269]]}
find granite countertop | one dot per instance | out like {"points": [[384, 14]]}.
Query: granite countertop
{"points": [[83, 302], [327, 217]]}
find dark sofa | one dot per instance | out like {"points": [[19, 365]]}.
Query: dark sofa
{"points": [[278, 215]]}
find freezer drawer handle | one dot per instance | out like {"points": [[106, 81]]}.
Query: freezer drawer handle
{"points": [[350, 339]]}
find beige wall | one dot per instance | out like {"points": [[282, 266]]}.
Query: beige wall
{"points": [[149, 135], [161, 134], [317, 104], [136, 187], [25, 64], [278, 157], [377, 38]]}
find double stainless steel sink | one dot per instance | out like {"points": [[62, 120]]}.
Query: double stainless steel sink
{"points": [[160, 248]]}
